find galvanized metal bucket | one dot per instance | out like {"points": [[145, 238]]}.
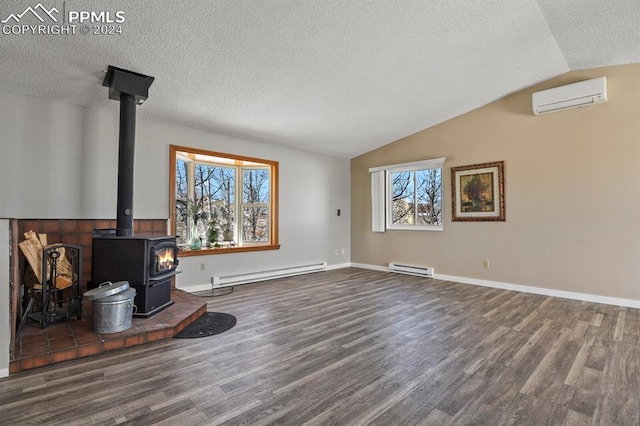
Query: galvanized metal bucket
{"points": [[112, 306]]}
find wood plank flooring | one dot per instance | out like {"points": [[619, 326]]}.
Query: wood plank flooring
{"points": [[359, 347]]}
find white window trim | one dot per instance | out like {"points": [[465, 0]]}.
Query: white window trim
{"points": [[433, 163], [242, 205], [381, 207], [238, 188]]}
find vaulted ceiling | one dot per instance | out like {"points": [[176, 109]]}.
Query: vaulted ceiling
{"points": [[340, 77]]}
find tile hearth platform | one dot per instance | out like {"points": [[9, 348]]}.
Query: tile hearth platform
{"points": [[66, 340]]}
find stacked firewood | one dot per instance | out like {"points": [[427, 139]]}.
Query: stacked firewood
{"points": [[32, 248]]}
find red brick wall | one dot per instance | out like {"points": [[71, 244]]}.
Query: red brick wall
{"points": [[78, 232]]}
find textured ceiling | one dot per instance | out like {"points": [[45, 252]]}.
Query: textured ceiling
{"points": [[335, 76]]}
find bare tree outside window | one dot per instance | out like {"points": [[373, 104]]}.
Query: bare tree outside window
{"points": [[255, 200], [416, 197], [215, 190], [182, 199], [214, 201], [403, 191], [227, 202], [429, 207], [221, 195]]}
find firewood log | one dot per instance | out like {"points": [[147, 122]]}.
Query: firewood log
{"points": [[32, 249]]}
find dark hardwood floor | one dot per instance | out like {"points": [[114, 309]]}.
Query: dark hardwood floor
{"points": [[358, 347]]}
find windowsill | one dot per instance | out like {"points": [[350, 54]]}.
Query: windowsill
{"points": [[415, 228], [224, 250]]}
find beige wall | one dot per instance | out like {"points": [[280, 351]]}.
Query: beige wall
{"points": [[572, 193]]}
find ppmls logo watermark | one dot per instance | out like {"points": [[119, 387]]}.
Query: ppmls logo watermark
{"points": [[40, 20]]}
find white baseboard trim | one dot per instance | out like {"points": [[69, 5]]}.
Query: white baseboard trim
{"points": [[338, 266], [367, 266], [209, 286], [585, 297], [4, 372], [195, 288]]}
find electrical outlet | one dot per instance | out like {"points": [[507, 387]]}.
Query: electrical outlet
{"points": [[203, 267], [342, 251], [485, 263], [337, 252]]}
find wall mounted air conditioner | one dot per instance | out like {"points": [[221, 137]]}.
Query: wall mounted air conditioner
{"points": [[583, 93]]}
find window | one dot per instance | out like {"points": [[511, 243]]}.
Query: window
{"points": [[222, 203], [408, 195], [255, 205]]}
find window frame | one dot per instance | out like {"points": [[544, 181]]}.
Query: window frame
{"points": [[273, 166], [242, 205], [436, 163]]}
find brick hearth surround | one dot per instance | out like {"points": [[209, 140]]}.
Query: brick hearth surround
{"points": [[74, 339]]}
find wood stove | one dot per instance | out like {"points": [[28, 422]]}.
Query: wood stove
{"points": [[148, 263]]}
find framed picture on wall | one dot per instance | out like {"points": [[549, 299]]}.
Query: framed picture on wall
{"points": [[477, 192]]}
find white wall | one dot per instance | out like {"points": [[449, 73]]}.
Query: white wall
{"points": [[5, 322], [312, 188], [60, 161]]}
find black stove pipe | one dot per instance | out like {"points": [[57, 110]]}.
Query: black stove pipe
{"points": [[131, 89], [126, 150]]}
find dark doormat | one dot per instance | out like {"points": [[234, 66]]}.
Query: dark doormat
{"points": [[207, 325]]}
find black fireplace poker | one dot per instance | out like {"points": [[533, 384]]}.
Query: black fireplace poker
{"points": [[131, 89]]}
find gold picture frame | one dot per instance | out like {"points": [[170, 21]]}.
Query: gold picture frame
{"points": [[477, 193]]}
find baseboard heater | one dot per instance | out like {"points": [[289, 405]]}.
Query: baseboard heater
{"points": [[267, 275], [422, 271]]}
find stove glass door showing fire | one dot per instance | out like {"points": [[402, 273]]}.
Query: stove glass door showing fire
{"points": [[164, 258]]}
